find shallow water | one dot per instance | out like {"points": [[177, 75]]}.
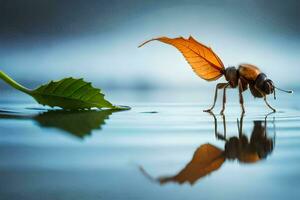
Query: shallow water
{"points": [[146, 153]]}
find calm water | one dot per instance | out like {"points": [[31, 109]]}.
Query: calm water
{"points": [[157, 150]]}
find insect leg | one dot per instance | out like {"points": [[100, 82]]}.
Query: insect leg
{"points": [[240, 125], [241, 96], [224, 98], [218, 86], [265, 99], [224, 125], [217, 134], [215, 122]]}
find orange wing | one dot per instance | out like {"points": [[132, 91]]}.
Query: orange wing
{"points": [[203, 60]]}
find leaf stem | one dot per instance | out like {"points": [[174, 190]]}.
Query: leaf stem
{"points": [[13, 83]]}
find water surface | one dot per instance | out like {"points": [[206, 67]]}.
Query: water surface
{"points": [[165, 147]]}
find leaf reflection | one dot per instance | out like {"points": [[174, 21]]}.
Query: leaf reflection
{"points": [[77, 123]]}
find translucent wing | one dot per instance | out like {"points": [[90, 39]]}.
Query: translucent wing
{"points": [[202, 59], [207, 158]]}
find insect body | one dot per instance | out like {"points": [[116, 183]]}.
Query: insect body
{"points": [[246, 75], [209, 66]]}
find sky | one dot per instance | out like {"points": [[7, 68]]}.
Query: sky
{"points": [[97, 40]]}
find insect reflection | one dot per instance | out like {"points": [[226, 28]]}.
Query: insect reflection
{"points": [[208, 158]]}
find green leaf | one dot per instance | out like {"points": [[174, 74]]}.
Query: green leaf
{"points": [[68, 93]]}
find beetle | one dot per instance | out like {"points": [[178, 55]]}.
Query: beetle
{"points": [[209, 66]]}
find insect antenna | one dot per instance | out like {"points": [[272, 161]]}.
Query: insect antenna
{"points": [[282, 90]]}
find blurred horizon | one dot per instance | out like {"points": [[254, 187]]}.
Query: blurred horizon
{"points": [[97, 40]]}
